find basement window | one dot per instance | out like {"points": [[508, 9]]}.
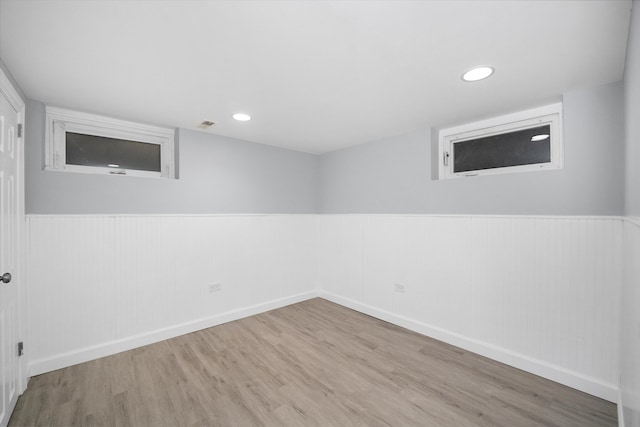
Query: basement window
{"points": [[88, 143], [522, 142]]}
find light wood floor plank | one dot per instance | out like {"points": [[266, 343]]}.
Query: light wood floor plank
{"points": [[310, 364]]}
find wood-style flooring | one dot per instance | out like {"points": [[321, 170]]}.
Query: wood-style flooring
{"points": [[310, 364]]}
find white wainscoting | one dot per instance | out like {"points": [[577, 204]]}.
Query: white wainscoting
{"points": [[629, 404], [98, 285], [538, 293]]}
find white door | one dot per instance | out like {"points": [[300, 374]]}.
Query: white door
{"points": [[11, 217]]}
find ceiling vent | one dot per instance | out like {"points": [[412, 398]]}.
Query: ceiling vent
{"points": [[206, 124]]}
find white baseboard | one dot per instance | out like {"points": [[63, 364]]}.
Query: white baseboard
{"points": [[620, 411], [555, 373], [64, 360], [543, 369]]}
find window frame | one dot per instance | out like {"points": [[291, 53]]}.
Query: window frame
{"points": [[59, 121], [549, 114]]}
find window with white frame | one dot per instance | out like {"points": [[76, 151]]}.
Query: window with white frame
{"points": [[89, 143], [521, 142]]}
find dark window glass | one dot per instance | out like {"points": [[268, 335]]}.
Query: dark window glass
{"points": [[90, 150], [499, 151]]}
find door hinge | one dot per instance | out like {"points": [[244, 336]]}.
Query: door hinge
{"points": [[19, 130], [20, 348]]}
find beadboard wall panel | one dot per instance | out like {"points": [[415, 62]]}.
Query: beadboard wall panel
{"points": [[629, 405], [340, 255], [101, 284], [541, 293], [70, 284]]}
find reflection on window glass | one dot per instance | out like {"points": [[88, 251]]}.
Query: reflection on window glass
{"points": [[523, 147], [90, 150]]}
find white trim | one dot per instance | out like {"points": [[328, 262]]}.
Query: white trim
{"points": [[162, 215], [549, 114], [632, 220], [620, 410], [16, 101], [482, 216], [12, 95], [546, 370], [60, 120], [64, 360], [219, 215]]}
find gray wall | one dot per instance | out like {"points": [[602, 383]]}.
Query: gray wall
{"points": [[394, 175], [632, 114], [217, 175]]}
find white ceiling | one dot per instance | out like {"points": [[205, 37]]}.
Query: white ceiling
{"points": [[315, 75]]}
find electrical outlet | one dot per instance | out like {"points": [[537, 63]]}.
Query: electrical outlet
{"points": [[398, 287], [216, 287]]}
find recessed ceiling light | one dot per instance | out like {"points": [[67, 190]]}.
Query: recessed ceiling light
{"points": [[540, 137], [111, 165], [477, 73], [241, 117]]}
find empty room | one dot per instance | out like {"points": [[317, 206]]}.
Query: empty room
{"points": [[320, 213]]}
